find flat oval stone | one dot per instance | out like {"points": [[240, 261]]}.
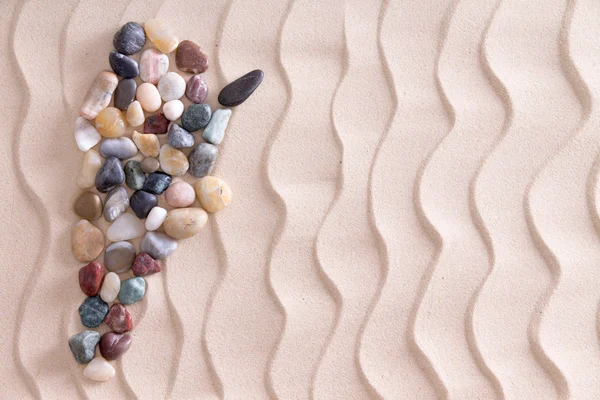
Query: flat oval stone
{"points": [[142, 202], [173, 161], [157, 183], [114, 345], [99, 370], [213, 194], [83, 346], [190, 57], [92, 311], [110, 287], [129, 39], [179, 138], [215, 130], [123, 65], [117, 201], [173, 110], [86, 134], [150, 165], [144, 265], [126, 227], [161, 35], [119, 256], [148, 144], [132, 290], [171, 86], [183, 223], [134, 176], [90, 278], [148, 96], [135, 114], [125, 93], [196, 89], [89, 168], [87, 241], [153, 66], [118, 319], [88, 205], [155, 219], [156, 124], [202, 159], [239, 90], [111, 123], [110, 175], [99, 95], [122, 148], [180, 194], [158, 245], [196, 117]]}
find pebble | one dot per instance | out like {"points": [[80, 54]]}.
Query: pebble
{"points": [[122, 148], [173, 161], [87, 241], [202, 159], [88, 205], [171, 86], [190, 57], [125, 93], [155, 218], [215, 130], [157, 183], [144, 265], [129, 39], [179, 137], [114, 345], [111, 123], [110, 287], [135, 114], [116, 202], [134, 176], [142, 202], [239, 90], [89, 168], [148, 96], [123, 65], [183, 223], [213, 194], [196, 89], [148, 144], [173, 110], [110, 175], [99, 370], [156, 124], [92, 311], [126, 227], [153, 66], [90, 278], [158, 245], [118, 319], [119, 256], [195, 117], [98, 97], [150, 165], [83, 346], [161, 35], [132, 290], [180, 194], [86, 134]]}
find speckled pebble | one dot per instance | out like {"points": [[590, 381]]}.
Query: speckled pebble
{"points": [[134, 176], [157, 183], [132, 290], [179, 137], [195, 117], [202, 159], [92, 311], [129, 39], [196, 89], [83, 346]]}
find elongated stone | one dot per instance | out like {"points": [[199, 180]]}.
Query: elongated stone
{"points": [[99, 370], [117, 202], [213, 194], [125, 93], [153, 66], [110, 175], [158, 245], [122, 148], [173, 161], [114, 345], [147, 143], [87, 241], [142, 202], [90, 278], [132, 290], [92, 311], [135, 114], [118, 319], [202, 159], [179, 137], [155, 219], [89, 168], [126, 227], [161, 35], [180, 194], [215, 130], [173, 110], [196, 117], [183, 223], [111, 123], [123, 65], [86, 134], [148, 96], [119, 256], [134, 176], [98, 97], [150, 165], [239, 90], [157, 183], [191, 58], [110, 287], [171, 86], [144, 265], [196, 89], [129, 39], [83, 346], [88, 205], [156, 124]]}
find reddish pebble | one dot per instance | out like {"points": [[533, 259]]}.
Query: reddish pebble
{"points": [[190, 57], [113, 345], [144, 264], [196, 89], [90, 278], [157, 124], [119, 319]]}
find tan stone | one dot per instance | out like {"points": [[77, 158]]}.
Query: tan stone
{"points": [[213, 194], [98, 97], [89, 168], [183, 223], [111, 123], [173, 161], [135, 114], [147, 143], [87, 241], [88, 205], [161, 35]]}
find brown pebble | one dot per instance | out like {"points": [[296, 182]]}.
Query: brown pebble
{"points": [[88, 205], [150, 165], [191, 58], [113, 345]]}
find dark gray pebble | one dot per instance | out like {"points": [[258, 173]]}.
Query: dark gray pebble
{"points": [[239, 90], [125, 93], [123, 65], [134, 176], [179, 137], [130, 38], [92, 311], [142, 202], [195, 117], [110, 175], [202, 159], [83, 346], [157, 183]]}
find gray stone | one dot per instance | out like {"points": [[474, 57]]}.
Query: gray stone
{"points": [[119, 257], [83, 346], [195, 117], [159, 245], [179, 137], [202, 159], [215, 130], [134, 176], [92, 311], [130, 38], [117, 201], [125, 93], [122, 148], [123, 65], [132, 290], [150, 165], [110, 175], [142, 202], [239, 90]]}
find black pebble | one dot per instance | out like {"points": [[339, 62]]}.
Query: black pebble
{"points": [[130, 38], [110, 175], [195, 117], [123, 65], [125, 93], [157, 183], [142, 202], [239, 90]]}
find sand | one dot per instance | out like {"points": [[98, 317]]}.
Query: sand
{"points": [[415, 205]]}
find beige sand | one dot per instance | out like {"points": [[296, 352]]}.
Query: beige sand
{"points": [[415, 210]]}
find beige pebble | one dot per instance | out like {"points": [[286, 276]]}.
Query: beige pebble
{"points": [[92, 161], [147, 143], [98, 97], [155, 219], [173, 161], [183, 223], [153, 66], [148, 96], [213, 194], [88, 205], [135, 114], [99, 370], [173, 110], [161, 35], [111, 123], [180, 194], [110, 287], [171, 86], [87, 241], [150, 165]]}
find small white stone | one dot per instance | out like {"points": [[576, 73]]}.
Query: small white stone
{"points": [[171, 86], [153, 65], [215, 130], [110, 287], [86, 134], [155, 219], [126, 227], [135, 114], [173, 109], [89, 168], [99, 370], [148, 96]]}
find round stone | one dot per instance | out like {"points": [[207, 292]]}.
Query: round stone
{"points": [[110, 287], [123, 65], [161, 35], [155, 218], [125, 93], [171, 86], [90, 278], [148, 96], [213, 194], [119, 256], [183, 223], [156, 124], [202, 159], [89, 168], [191, 58], [132, 290], [99, 370], [126, 227], [173, 161], [92, 311], [118, 319], [158, 245], [196, 89], [134, 176], [87, 241], [142, 202], [129, 39], [99, 95], [179, 137], [144, 265], [117, 201], [86, 134], [110, 175], [239, 90], [153, 66], [150, 165], [215, 130], [88, 205], [83, 346], [196, 117], [110, 122], [122, 148], [135, 114], [180, 194], [173, 110], [114, 345], [148, 144]]}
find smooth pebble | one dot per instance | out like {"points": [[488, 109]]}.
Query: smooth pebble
{"points": [[87, 241], [126, 227], [150, 165], [110, 175], [173, 110], [148, 144], [119, 318], [202, 159], [180, 194], [161, 35], [171, 86], [99, 95], [114, 345], [158, 245], [213, 194], [119, 256], [116, 202], [122, 148], [190, 57], [86, 134], [135, 114], [129, 39], [99, 370], [148, 96], [196, 89], [125, 93], [92, 311], [157, 183], [110, 287], [90, 278], [173, 161], [156, 124], [179, 137], [88, 205], [83, 346], [195, 117], [239, 90], [123, 65], [155, 218], [111, 123], [183, 223], [92, 161], [134, 176], [153, 66], [132, 290], [142, 202], [215, 130]]}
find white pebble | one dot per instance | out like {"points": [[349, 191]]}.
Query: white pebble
{"points": [[173, 109], [148, 96], [155, 219], [110, 287], [171, 86], [89, 168], [86, 134], [126, 227], [153, 65], [99, 370], [135, 114]]}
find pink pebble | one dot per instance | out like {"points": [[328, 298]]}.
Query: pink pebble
{"points": [[180, 194]]}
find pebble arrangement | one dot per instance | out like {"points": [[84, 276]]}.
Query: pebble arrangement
{"points": [[107, 169]]}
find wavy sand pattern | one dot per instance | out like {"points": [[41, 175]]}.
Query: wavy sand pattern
{"points": [[415, 215]]}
